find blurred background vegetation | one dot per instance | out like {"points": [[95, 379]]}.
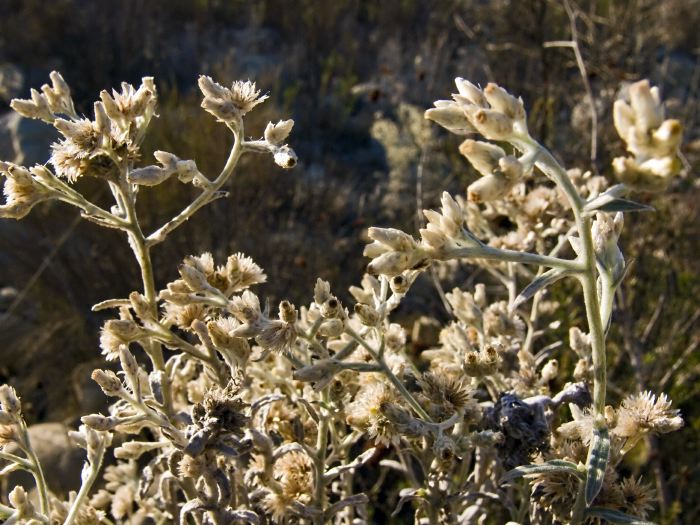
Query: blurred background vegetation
{"points": [[355, 75]]}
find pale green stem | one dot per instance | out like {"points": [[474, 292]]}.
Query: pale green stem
{"points": [[207, 195], [95, 466], [36, 469], [588, 276], [495, 254], [320, 459], [390, 375], [588, 273]]}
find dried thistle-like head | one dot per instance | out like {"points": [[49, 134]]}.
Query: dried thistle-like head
{"points": [[366, 412], [447, 393], [22, 191], [294, 471], [644, 412], [229, 104]]}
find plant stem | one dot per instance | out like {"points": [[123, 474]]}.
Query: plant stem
{"points": [[320, 459], [495, 254], [207, 195], [36, 470], [390, 375], [588, 279], [95, 466]]}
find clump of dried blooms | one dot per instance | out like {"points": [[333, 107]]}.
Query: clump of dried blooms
{"points": [[225, 410]]}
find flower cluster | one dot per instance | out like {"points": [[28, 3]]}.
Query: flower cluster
{"points": [[226, 412], [652, 139]]}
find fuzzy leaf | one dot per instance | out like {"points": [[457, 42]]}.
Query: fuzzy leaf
{"points": [[596, 463], [553, 465], [540, 283], [624, 205], [615, 516]]}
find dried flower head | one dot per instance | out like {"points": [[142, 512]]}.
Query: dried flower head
{"points": [[22, 191], [644, 412], [366, 412], [229, 104], [294, 472]]}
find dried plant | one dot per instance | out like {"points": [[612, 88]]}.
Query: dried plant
{"points": [[227, 411]]}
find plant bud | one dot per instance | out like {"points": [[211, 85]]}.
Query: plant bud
{"points": [[511, 168], [488, 188], [323, 370], [9, 401], [550, 371], [393, 238], [330, 308], [451, 117], [491, 124], [133, 449], [99, 422], [390, 263], [470, 92], [480, 295], [195, 279], [322, 291], [645, 102], [277, 133], [140, 305], [288, 313], [108, 381], [59, 85], [368, 315], [128, 361], [399, 284], [167, 160], [124, 329], [187, 170], [19, 500], [102, 122], [285, 157], [331, 328], [111, 107], [149, 176], [484, 156], [503, 102]]}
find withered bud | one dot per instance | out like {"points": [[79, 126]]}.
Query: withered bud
{"points": [[288, 313], [20, 501], [133, 449], [323, 370], [108, 381], [399, 284], [550, 371], [277, 133], [285, 157], [9, 401], [128, 361], [99, 422], [368, 315], [331, 327], [149, 176], [330, 308], [140, 305], [125, 329], [195, 279]]}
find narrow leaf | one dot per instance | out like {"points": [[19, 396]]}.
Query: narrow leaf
{"points": [[541, 282], [615, 516], [110, 303], [553, 465], [596, 463], [623, 205]]}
